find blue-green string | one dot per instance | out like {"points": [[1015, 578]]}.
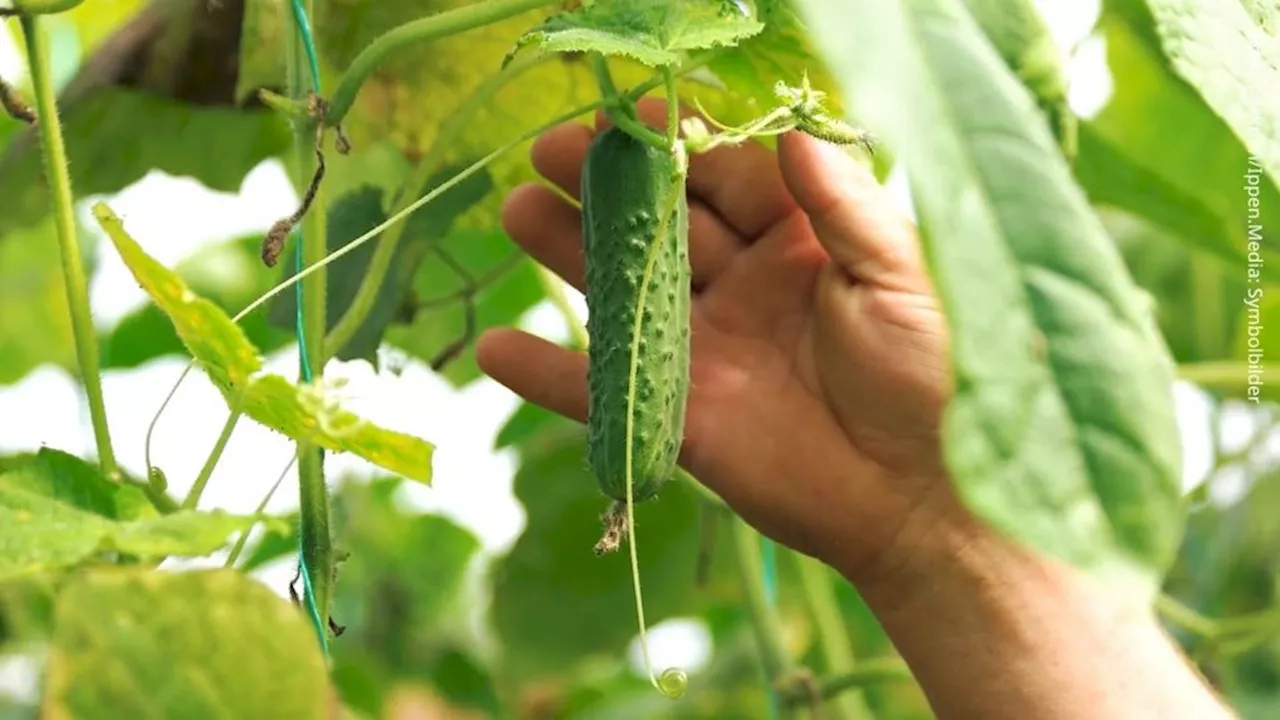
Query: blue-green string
{"points": [[304, 362], [769, 574]]}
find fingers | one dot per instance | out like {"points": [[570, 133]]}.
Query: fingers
{"points": [[741, 184], [550, 230], [850, 214], [540, 371]]}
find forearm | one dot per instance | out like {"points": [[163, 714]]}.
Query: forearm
{"points": [[994, 632]]}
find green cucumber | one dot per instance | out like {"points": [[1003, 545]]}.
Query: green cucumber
{"points": [[635, 226]]}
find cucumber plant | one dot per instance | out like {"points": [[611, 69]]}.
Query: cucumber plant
{"points": [[754, 70]]}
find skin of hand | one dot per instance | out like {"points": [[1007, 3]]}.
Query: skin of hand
{"points": [[819, 371]]}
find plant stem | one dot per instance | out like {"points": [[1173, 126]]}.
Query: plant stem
{"points": [[315, 541], [77, 285], [764, 618], [427, 29], [229, 427], [1228, 376], [871, 672], [833, 637], [375, 275]]}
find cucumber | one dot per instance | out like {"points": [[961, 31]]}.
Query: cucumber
{"points": [[635, 223]]}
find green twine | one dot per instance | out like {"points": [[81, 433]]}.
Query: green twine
{"points": [[769, 573], [304, 362]]}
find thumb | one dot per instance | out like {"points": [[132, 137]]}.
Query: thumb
{"points": [[851, 214]]}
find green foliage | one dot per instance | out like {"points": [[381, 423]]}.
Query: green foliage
{"points": [[56, 511], [652, 32], [208, 644], [351, 217], [233, 365], [1043, 422], [556, 604]]}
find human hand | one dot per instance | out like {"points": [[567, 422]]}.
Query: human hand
{"points": [[819, 351]]}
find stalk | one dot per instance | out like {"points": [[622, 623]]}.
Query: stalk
{"points": [[764, 619], [229, 427], [77, 285], [315, 541], [375, 275], [427, 29], [833, 638]]}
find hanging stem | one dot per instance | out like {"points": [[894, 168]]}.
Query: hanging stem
{"points": [[375, 275], [764, 619], [77, 285], [833, 637], [425, 30]]}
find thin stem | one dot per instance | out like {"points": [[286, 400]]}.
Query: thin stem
{"points": [[315, 541], [425, 30], [1223, 375], [833, 637], [262, 507], [870, 672], [383, 255], [77, 285], [764, 619], [673, 106], [229, 427]]}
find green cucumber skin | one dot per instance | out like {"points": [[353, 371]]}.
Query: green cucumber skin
{"points": [[626, 187]]}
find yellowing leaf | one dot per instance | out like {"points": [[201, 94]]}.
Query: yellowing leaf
{"points": [[233, 364], [138, 643], [653, 32]]}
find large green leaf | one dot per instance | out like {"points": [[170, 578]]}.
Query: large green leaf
{"points": [[1217, 47], [35, 327], [71, 481], [208, 644], [106, 150], [653, 32], [1022, 38], [1061, 432], [351, 217], [1158, 152], [233, 365], [56, 513], [555, 603]]}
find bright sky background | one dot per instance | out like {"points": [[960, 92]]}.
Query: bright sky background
{"points": [[174, 217]]}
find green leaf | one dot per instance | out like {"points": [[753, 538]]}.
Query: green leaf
{"points": [[1061, 432], [351, 217], [39, 533], [233, 364], [107, 152], [506, 285], [554, 602], [653, 32], [207, 644], [71, 481], [1021, 36], [1234, 65], [230, 275], [263, 28], [35, 326], [1158, 152]]}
